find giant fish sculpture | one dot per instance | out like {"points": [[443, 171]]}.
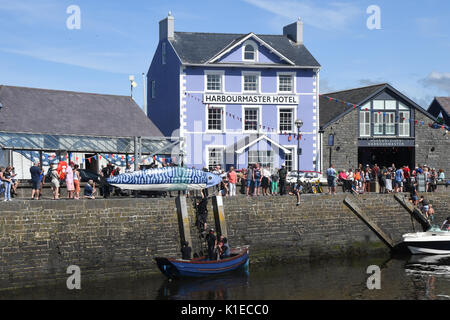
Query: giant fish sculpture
{"points": [[165, 179]]}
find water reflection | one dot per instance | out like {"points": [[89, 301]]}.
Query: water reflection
{"points": [[430, 274], [408, 277], [216, 288]]}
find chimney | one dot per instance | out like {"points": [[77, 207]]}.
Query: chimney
{"points": [[166, 28], [294, 31]]}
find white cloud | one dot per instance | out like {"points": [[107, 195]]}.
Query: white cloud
{"points": [[114, 62], [439, 80], [337, 15]]}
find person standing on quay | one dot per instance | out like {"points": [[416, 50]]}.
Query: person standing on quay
{"points": [[331, 177], [35, 172], [282, 173], [69, 181], [274, 184], [249, 179], [232, 179], [76, 181], [7, 183], [398, 180], [257, 177]]}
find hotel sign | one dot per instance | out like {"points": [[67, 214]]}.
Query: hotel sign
{"points": [[386, 143], [250, 99]]}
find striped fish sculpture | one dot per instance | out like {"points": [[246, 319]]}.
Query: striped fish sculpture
{"points": [[165, 179]]}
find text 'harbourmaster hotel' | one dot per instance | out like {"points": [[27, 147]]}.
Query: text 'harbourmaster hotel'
{"points": [[234, 98]]}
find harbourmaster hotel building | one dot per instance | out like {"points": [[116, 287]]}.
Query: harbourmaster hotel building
{"points": [[234, 98]]}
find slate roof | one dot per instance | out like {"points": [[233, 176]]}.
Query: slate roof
{"points": [[329, 110], [444, 102], [198, 48], [32, 110]]}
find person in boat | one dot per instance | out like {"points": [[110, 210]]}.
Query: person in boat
{"points": [[225, 249], [186, 251], [446, 225], [211, 240], [219, 248]]}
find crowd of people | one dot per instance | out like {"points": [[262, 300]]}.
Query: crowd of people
{"points": [[390, 179], [255, 180]]}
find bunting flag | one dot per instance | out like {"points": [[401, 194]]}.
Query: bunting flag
{"points": [[422, 123], [231, 115]]}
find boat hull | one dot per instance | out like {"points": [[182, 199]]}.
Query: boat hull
{"points": [[174, 268], [428, 242]]}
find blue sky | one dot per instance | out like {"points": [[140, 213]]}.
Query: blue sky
{"points": [[117, 38]]}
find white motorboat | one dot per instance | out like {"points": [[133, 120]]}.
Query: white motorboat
{"points": [[433, 241]]}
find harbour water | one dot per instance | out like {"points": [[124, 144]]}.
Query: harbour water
{"points": [[408, 277]]}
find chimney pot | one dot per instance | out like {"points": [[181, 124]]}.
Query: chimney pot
{"points": [[166, 27], [294, 31]]}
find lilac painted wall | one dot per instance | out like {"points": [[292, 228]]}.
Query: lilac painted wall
{"points": [[198, 139]]}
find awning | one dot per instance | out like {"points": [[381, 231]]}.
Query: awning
{"points": [[87, 144]]}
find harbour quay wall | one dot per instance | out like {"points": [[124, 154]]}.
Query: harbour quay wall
{"points": [[111, 238]]}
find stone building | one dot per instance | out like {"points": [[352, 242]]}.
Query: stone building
{"points": [[378, 124], [440, 108]]}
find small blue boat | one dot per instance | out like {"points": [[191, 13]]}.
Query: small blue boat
{"points": [[200, 267]]}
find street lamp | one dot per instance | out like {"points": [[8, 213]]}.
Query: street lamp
{"points": [[298, 124], [133, 84]]}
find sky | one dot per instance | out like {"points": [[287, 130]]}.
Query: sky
{"points": [[410, 49]]}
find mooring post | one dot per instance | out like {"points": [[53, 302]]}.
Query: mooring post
{"points": [[183, 219], [219, 216]]}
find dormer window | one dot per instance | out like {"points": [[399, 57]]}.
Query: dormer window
{"points": [[250, 51]]}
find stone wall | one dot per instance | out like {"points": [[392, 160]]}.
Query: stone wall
{"points": [[432, 145], [345, 132], [120, 237]]}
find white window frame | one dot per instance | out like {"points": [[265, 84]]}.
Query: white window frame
{"points": [[294, 82], [258, 129], [293, 155], [364, 124], [294, 116], [222, 107], [258, 79], [208, 148], [378, 115], [405, 124], [272, 156], [387, 122], [255, 48], [221, 73]]}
